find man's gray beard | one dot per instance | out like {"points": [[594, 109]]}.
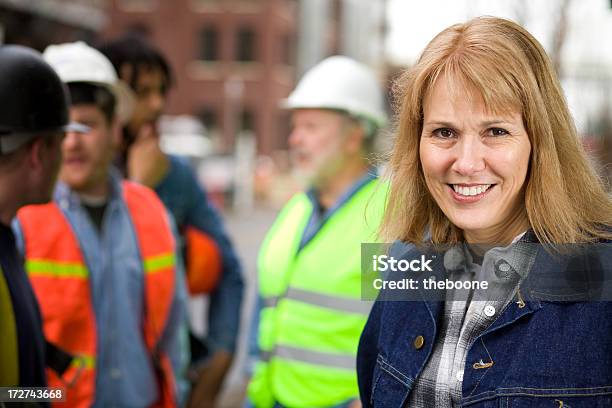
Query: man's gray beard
{"points": [[305, 179]]}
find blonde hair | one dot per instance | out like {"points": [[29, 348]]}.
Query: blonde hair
{"points": [[565, 201]]}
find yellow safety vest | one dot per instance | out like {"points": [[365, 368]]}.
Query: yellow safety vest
{"points": [[313, 314]]}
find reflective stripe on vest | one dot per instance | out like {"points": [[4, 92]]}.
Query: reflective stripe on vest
{"points": [[343, 361], [313, 313], [60, 279], [84, 362], [158, 263], [340, 303], [40, 267], [336, 360]]}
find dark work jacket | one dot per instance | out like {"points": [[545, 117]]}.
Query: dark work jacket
{"points": [[30, 340], [554, 351]]}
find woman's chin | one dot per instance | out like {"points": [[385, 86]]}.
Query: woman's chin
{"points": [[471, 225]]}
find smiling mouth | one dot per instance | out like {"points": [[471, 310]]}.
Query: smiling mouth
{"points": [[471, 190]]}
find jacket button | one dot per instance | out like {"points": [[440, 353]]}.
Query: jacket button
{"points": [[504, 267], [418, 342], [489, 311]]}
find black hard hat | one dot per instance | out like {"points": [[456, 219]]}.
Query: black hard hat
{"points": [[34, 100]]}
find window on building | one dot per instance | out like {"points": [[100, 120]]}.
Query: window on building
{"points": [[286, 44], [284, 130], [140, 29], [205, 3], [208, 116], [138, 5], [245, 45], [247, 120], [209, 44]]}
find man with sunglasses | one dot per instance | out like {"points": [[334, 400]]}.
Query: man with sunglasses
{"points": [[101, 257]]}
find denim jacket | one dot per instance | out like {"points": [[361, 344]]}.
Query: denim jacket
{"points": [[554, 349]]}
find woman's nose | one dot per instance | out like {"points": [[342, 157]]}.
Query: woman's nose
{"points": [[469, 155]]}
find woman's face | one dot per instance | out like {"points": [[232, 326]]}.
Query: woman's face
{"points": [[475, 164]]}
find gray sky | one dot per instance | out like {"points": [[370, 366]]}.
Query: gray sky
{"points": [[413, 23], [587, 52]]}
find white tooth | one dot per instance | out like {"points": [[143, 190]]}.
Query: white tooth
{"points": [[462, 190], [472, 191], [456, 188], [479, 189]]}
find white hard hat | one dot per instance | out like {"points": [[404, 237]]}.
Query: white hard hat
{"points": [[341, 83], [78, 62]]}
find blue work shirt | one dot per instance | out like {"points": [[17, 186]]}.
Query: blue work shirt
{"points": [[186, 200], [125, 375]]}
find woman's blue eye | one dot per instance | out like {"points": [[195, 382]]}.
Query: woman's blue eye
{"points": [[498, 131]]}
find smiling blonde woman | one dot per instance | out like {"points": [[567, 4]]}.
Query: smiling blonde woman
{"points": [[487, 161]]}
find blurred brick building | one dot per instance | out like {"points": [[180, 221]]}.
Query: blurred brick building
{"points": [[233, 60]]}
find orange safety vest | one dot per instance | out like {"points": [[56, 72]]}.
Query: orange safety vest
{"points": [[203, 261], [60, 279]]}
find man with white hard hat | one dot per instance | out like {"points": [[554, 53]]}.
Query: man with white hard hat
{"points": [[309, 265], [102, 257]]}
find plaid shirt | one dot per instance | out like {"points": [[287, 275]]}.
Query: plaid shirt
{"points": [[467, 315]]}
